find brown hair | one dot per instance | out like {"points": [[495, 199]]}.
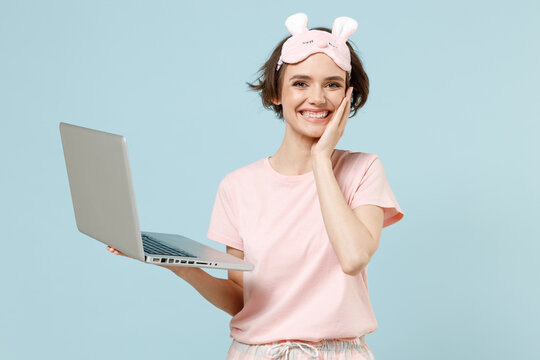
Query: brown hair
{"points": [[270, 81]]}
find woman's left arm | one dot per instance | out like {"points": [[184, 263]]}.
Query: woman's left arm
{"points": [[354, 234]]}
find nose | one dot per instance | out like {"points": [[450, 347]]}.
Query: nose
{"points": [[316, 96]]}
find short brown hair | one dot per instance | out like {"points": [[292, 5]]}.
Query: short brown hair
{"points": [[270, 81]]}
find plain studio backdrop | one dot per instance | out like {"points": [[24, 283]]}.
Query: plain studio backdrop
{"points": [[453, 114]]}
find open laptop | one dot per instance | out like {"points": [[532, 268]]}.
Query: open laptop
{"points": [[104, 203]]}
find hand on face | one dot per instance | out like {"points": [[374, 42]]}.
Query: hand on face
{"points": [[334, 129]]}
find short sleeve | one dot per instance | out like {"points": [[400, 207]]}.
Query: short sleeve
{"points": [[374, 189], [223, 226]]}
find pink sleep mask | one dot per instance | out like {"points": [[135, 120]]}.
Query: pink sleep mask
{"points": [[304, 42]]}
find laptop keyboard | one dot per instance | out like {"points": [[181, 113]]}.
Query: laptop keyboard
{"points": [[152, 246]]}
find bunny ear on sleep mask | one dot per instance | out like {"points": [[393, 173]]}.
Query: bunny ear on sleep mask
{"points": [[297, 23], [344, 27], [305, 42]]}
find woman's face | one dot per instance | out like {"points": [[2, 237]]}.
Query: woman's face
{"points": [[311, 88]]}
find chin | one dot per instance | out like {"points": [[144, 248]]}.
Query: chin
{"points": [[314, 133]]}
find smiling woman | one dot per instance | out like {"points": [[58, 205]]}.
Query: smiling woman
{"points": [[319, 211], [308, 217]]}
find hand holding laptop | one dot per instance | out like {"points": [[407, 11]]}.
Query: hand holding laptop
{"points": [[116, 252], [104, 204]]}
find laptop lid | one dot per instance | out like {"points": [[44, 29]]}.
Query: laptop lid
{"points": [[98, 170]]}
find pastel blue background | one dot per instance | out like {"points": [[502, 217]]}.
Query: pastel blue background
{"points": [[453, 114]]}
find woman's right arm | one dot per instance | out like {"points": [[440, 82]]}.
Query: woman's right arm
{"points": [[225, 294]]}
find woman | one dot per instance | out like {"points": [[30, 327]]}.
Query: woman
{"points": [[308, 217]]}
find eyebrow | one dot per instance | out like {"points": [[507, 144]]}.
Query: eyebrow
{"points": [[307, 77]]}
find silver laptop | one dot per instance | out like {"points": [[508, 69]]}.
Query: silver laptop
{"points": [[104, 203]]}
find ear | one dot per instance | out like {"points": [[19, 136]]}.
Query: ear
{"points": [[344, 27], [276, 102]]}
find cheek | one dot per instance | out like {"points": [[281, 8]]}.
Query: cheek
{"points": [[292, 102], [336, 101]]}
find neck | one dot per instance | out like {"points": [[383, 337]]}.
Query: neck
{"points": [[294, 155]]}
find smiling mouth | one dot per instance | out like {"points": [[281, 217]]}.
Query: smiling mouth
{"points": [[316, 117], [314, 114]]}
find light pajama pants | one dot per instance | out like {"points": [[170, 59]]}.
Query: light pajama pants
{"points": [[328, 349]]}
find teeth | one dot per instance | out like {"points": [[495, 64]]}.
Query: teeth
{"points": [[314, 114]]}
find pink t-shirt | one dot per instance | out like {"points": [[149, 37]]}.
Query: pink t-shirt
{"points": [[297, 289]]}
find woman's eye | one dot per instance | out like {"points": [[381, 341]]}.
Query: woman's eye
{"points": [[301, 83]]}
